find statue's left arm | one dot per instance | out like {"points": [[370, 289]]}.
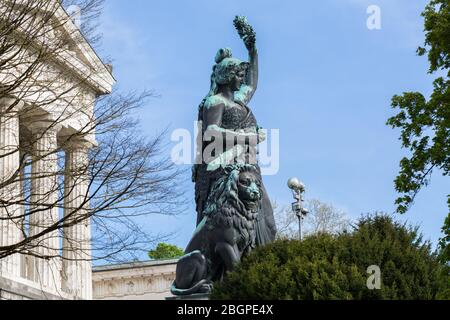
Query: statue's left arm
{"points": [[248, 35], [251, 82]]}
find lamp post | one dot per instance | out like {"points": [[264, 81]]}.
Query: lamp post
{"points": [[298, 188]]}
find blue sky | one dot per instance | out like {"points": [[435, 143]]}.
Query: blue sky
{"points": [[326, 82]]}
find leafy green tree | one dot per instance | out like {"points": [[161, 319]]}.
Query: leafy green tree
{"points": [[444, 256], [165, 251], [425, 124], [326, 266]]}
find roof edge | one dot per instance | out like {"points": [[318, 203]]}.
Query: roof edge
{"points": [[132, 265]]}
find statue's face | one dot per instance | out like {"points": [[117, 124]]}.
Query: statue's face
{"points": [[249, 190], [237, 80]]}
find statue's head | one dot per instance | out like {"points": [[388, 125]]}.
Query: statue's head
{"points": [[229, 71], [237, 190], [249, 188]]}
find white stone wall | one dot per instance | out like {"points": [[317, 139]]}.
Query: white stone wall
{"points": [[134, 281]]}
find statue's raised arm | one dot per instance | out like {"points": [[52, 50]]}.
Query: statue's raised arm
{"points": [[248, 35]]}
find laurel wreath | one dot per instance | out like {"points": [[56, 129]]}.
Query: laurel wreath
{"points": [[245, 31]]}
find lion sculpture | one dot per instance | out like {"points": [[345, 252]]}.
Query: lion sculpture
{"points": [[226, 233]]}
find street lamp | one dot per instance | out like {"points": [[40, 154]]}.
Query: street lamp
{"points": [[298, 188]]}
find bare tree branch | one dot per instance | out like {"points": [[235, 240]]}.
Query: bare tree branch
{"points": [[322, 218]]}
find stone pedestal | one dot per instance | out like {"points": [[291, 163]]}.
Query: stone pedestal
{"points": [[197, 296]]}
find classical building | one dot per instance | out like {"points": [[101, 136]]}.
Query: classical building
{"points": [[149, 280], [37, 117]]}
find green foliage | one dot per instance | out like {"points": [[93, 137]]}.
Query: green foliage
{"points": [[444, 243], [437, 33], [165, 251], [444, 256], [324, 266], [425, 125]]}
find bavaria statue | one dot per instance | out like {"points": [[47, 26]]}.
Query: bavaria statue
{"points": [[234, 213]]}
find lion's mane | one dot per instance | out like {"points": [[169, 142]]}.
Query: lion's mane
{"points": [[224, 209]]}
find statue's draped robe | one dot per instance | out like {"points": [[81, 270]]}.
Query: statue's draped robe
{"points": [[233, 118]]}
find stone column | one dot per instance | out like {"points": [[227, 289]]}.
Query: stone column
{"points": [[77, 278], [44, 197], [10, 231], [23, 257]]}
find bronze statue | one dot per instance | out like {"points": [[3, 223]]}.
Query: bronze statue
{"points": [[234, 213], [224, 110]]}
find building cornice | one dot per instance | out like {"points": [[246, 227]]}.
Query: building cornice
{"points": [[134, 265], [95, 74], [102, 77]]}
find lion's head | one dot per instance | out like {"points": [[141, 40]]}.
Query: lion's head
{"points": [[235, 197]]}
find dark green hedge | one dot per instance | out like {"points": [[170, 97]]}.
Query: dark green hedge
{"points": [[335, 267]]}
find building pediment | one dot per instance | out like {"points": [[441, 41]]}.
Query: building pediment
{"points": [[81, 58], [76, 55]]}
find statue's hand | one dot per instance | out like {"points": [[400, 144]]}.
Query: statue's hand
{"points": [[246, 32], [261, 136], [250, 130], [250, 44]]}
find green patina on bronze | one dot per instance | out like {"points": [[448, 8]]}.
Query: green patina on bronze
{"points": [[234, 214]]}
